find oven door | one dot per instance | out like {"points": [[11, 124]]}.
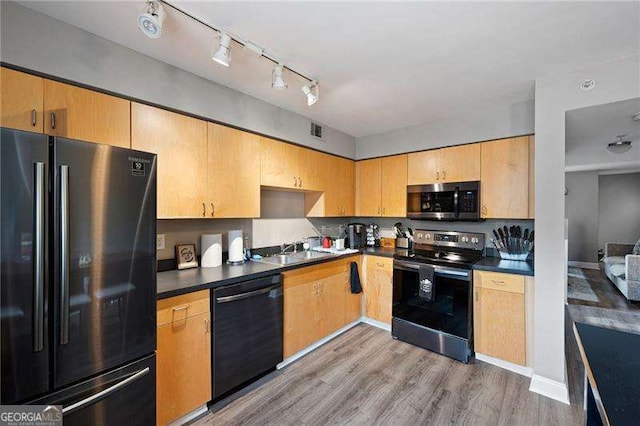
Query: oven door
{"points": [[444, 201], [450, 309]]}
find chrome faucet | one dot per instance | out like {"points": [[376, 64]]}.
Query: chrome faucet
{"points": [[285, 247]]}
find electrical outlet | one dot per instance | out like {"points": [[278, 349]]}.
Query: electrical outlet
{"points": [[160, 241]]}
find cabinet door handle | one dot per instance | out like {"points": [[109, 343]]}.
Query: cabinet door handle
{"points": [[53, 120], [204, 210], [212, 209], [378, 209], [477, 295], [444, 175], [206, 326], [34, 116], [484, 210], [437, 175], [384, 209], [299, 181], [295, 181]]}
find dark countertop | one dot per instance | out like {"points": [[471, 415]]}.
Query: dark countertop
{"points": [[612, 364], [495, 264], [175, 283]]}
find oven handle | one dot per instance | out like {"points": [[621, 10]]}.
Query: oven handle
{"points": [[398, 264]]}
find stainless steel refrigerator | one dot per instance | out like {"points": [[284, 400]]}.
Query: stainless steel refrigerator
{"points": [[78, 278]]}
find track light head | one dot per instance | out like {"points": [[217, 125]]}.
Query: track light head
{"points": [[312, 97], [277, 81], [223, 54], [151, 19]]}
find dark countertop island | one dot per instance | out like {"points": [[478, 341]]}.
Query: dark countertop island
{"points": [[612, 367]]}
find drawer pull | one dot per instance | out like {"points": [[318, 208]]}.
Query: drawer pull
{"points": [[181, 308], [204, 210], [53, 120], [498, 282], [380, 264], [34, 116]]}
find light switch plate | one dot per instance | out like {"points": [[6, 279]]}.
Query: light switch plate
{"points": [[160, 242]]}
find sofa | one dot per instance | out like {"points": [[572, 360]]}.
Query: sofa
{"points": [[621, 264]]}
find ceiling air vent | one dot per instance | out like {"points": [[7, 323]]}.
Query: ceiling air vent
{"points": [[317, 131]]}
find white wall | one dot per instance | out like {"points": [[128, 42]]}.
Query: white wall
{"points": [[489, 122], [616, 80], [619, 208], [38, 42], [581, 207]]}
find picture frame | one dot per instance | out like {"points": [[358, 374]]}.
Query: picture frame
{"points": [[186, 256]]}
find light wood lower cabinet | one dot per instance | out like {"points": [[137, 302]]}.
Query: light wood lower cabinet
{"points": [[378, 288], [86, 115], [317, 302], [183, 380], [499, 316], [21, 101]]}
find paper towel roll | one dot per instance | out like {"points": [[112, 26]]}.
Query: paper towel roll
{"points": [[211, 249], [236, 249]]}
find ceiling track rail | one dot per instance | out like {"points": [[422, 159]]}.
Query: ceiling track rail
{"points": [[243, 43]]}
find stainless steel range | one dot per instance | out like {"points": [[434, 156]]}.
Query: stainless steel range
{"points": [[432, 292]]}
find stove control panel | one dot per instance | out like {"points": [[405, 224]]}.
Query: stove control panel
{"points": [[465, 240]]}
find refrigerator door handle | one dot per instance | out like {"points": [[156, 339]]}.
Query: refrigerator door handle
{"points": [[104, 393], [38, 257], [64, 254]]}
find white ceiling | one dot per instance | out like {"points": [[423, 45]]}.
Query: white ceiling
{"points": [[589, 130], [381, 66]]}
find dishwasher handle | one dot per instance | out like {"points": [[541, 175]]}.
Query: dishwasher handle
{"points": [[235, 297]]}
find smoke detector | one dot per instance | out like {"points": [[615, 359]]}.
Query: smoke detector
{"points": [[620, 146], [587, 85]]}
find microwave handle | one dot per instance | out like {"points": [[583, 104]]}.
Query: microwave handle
{"points": [[456, 202]]}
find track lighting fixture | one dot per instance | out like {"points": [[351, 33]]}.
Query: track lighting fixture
{"points": [[312, 97], [223, 54], [151, 19], [277, 81]]}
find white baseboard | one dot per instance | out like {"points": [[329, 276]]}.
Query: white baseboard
{"points": [[549, 388], [317, 344], [520, 369], [585, 265], [375, 323], [190, 416]]}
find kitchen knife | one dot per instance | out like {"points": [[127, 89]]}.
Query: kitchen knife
{"points": [[519, 238], [495, 234], [504, 244]]}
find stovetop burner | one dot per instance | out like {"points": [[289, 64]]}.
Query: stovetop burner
{"points": [[445, 247]]}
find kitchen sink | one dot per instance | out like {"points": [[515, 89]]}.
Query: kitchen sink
{"points": [[289, 258]]}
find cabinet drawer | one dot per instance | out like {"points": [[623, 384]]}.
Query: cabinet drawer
{"points": [[182, 307], [499, 281], [380, 263]]}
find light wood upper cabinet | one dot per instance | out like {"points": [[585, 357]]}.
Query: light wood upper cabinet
{"points": [[499, 316], [369, 187], [339, 195], [22, 101], [181, 145], [76, 113], [183, 357], [279, 164], [378, 288], [454, 164], [460, 163], [233, 173], [505, 178], [423, 166], [394, 186], [311, 170]]}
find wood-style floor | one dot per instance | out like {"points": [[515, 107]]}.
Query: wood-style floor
{"points": [[366, 377]]}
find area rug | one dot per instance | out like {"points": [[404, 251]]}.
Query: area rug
{"points": [[579, 287]]}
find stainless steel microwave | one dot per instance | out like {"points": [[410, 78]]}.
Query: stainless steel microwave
{"points": [[444, 201]]}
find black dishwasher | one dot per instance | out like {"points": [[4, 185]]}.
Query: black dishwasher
{"points": [[247, 331]]}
